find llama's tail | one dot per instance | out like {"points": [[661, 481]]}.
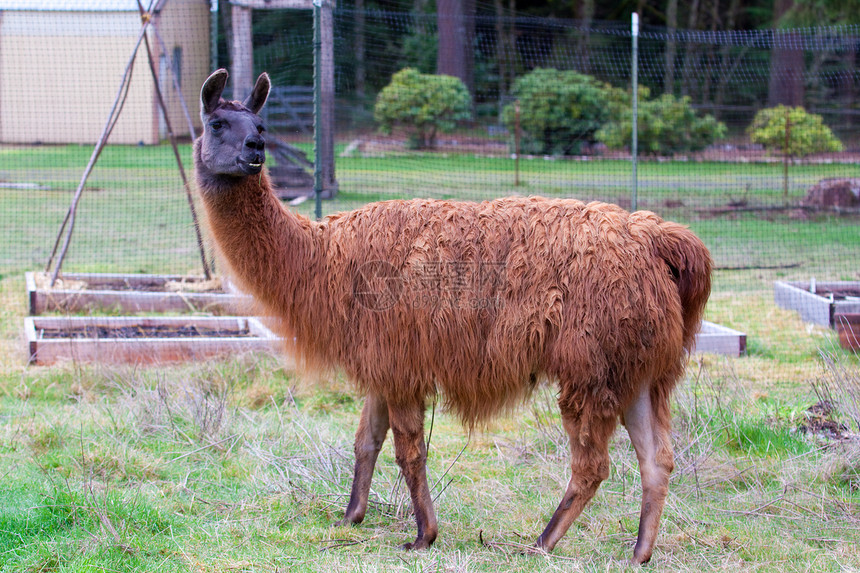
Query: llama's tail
{"points": [[690, 263]]}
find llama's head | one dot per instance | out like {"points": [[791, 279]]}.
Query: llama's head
{"points": [[233, 141]]}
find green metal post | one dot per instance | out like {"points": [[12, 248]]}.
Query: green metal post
{"points": [[318, 172], [634, 144]]}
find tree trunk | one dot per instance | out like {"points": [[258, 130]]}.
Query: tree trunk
{"points": [[710, 58], [456, 24], [847, 92], [359, 46], [671, 47], [726, 59], [512, 41], [691, 52], [501, 48], [585, 13], [786, 62], [469, 11]]}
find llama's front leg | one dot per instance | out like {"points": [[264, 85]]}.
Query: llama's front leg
{"points": [[407, 427], [369, 437], [590, 466], [648, 423]]}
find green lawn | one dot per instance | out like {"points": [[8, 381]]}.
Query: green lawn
{"points": [[242, 464], [134, 214]]}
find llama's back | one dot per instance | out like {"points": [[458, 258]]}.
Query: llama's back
{"points": [[481, 300]]}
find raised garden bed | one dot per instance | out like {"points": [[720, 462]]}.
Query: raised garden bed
{"points": [[848, 326], [129, 293], [716, 339], [142, 340], [819, 302]]}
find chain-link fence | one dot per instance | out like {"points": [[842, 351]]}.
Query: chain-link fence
{"points": [[766, 213]]}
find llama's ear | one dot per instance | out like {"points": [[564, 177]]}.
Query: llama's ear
{"points": [[210, 94], [259, 94]]}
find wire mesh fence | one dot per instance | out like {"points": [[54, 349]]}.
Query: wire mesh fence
{"points": [[765, 214]]}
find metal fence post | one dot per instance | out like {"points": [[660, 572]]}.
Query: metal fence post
{"points": [[318, 181], [324, 90], [634, 144]]}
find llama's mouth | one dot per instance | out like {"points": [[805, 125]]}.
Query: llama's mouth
{"points": [[250, 167]]}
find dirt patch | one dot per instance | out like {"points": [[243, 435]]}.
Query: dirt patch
{"points": [[379, 144], [834, 193], [850, 293], [186, 284], [820, 421], [124, 332]]}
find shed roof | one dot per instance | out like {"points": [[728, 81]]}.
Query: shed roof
{"points": [[73, 5]]}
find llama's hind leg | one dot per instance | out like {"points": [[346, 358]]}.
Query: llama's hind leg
{"points": [[407, 427], [369, 437], [648, 423], [590, 466]]}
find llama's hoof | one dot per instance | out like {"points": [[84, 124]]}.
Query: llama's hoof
{"points": [[344, 522], [539, 548], [640, 559], [415, 545], [536, 549]]}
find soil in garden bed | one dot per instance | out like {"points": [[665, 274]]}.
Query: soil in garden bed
{"points": [[139, 331], [167, 286], [189, 285], [844, 293]]}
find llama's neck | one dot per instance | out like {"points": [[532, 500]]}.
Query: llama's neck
{"points": [[272, 253]]}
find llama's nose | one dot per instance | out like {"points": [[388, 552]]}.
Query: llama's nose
{"points": [[255, 142]]}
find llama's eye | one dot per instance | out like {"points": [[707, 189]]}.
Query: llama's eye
{"points": [[261, 129], [216, 125]]}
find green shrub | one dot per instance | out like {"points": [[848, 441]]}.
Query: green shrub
{"points": [[806, 133], [559, 110], [424, 103], [666, 125]]}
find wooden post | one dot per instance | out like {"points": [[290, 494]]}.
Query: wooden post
{"points": [[242, 74], [213, 34], [326, 95]]}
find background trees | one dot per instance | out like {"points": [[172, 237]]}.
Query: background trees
{"points": [[730, 58]]}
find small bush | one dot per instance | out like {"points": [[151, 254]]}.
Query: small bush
{"points": [[559, 110], [424, 103], [792, 131], [666, 125]]}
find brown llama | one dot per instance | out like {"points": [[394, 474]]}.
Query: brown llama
{"points": [[473, 302]]}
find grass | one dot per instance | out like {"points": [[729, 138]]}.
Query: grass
{"points": [[242, 465], [134, 214]]}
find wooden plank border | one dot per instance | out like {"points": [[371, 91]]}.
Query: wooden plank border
{"points": [[145, 350]]}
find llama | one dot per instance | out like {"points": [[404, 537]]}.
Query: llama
{"points": [[476, 303]]}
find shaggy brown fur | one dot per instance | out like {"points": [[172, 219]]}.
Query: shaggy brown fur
{"points": [[475, 302]]}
